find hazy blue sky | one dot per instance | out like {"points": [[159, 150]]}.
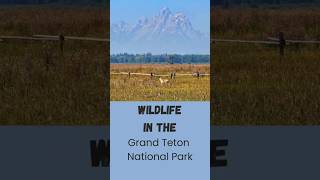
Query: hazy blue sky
{"points": [[130, 11]]}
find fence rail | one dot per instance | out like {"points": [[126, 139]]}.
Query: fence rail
{"points": [[280, 41], [52, 38], [243, 41], [296, 41], [3, 38], [271, 41], [73, 38], [59, 38], [171, 75]]}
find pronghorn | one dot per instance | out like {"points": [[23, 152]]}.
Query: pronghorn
{"points": [[163, 81]]}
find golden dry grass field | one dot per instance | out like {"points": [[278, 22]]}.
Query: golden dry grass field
{"points": [[251, 86], [145, 88], [39, 85]]}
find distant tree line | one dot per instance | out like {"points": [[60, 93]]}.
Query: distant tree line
{"points": [[161, 59]]}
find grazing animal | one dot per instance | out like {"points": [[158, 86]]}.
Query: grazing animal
{"points": [[163, 81]]}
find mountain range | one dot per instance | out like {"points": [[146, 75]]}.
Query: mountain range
{"points": [[166, 32]]}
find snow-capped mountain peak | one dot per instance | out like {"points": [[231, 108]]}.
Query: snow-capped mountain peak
{"points": [[164, 22], [120, 27], [165, 12], [164, 28]]}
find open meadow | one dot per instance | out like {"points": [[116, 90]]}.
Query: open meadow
{"points": [[40, 84], [251, 84], [145, 88]]}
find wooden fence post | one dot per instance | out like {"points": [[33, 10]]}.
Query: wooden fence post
{"points": [[151, 75], [173, 75], [282, 44], [129, 74]]}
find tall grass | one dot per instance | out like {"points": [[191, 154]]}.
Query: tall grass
{"points": [[138, 88], [258, 24], [251, 85], [41, 85], [31, 20]]}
